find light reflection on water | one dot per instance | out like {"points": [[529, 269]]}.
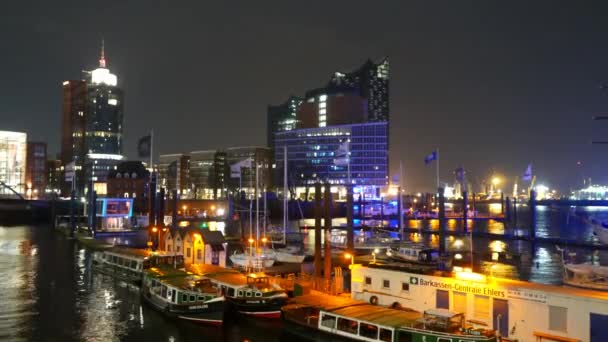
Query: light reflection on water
{"points": [[50, 293]]}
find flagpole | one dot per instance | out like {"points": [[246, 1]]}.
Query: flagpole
{"points": [[401, 186]]}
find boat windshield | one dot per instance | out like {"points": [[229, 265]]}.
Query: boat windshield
{"points": [[450, 323]]}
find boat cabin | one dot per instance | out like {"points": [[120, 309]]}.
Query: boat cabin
{"points": [[178, 287], [441, 320]]}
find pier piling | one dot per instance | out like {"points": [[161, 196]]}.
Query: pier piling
{"points": [[160, 213], [174, 209], [327, 232], [441, 200], [152, 201], [318, 230], [350, 235], [507, 210], [72, 213], [515, 212], [465, 210], [532, 232]]}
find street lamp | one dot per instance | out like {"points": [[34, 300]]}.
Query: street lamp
{"points": [[156, 230], [376, 251], [351, 257], [251, 241]]}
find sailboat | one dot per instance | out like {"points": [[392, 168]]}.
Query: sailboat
{"points": [[291, 254], [254, 258], [586, 276]]}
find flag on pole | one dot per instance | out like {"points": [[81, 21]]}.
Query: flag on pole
{"points": [[235, 169], [430, 157], [144, 146], [342, 155], [527, 174]]}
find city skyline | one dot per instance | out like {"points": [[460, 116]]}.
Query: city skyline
{"points": [[490, 94]]}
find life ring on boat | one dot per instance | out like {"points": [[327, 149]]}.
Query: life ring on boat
{"points": [[373, 300]]}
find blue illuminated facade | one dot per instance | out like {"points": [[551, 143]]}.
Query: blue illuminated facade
{"points": [[311, 154]]}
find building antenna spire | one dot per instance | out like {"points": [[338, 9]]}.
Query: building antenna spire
{"points": [[102, 58]]}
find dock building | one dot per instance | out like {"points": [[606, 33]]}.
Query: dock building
{"points": [[519, 310]]}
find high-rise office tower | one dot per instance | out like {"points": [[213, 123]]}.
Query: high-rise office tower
{"points": [[92, 125]]}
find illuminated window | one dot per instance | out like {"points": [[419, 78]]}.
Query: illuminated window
{"points": [[459, 300], [322, 105], [482, 307], [323, 98]]}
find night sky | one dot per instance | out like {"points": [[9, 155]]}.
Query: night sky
{"points": [[494, 86]]}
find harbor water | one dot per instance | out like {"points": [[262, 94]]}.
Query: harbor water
{"points": [[50, 292]]}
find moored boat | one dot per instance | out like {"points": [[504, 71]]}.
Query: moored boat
{"points": [[415, 253], [255, 261], [365, 322], [129, 263], [250, 294], [181, 295], [587, 276]]}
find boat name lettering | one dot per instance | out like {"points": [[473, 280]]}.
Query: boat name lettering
{"points": [[481, 290], [194, 307], [253, 301]]}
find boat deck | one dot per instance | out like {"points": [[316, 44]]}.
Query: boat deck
{"points": [[324, 301]]}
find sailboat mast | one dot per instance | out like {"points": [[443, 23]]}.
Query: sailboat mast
{"points": [[285, 208]]}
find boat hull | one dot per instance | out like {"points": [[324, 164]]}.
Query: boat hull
{"points": [[262, 308], [210, 313], [289, 258], [251, 261]]}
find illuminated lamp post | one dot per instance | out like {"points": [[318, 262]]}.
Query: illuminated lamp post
{"points": [[351, 257], [155, 230]]}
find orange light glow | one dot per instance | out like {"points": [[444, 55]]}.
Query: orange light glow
{"points": [[154, 229], [470, 276]]}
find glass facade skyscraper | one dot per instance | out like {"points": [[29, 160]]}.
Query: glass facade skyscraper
{"points": [[350, 114], [312, 155]]}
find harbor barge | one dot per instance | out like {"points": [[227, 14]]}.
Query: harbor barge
{"points": [[179, 294], [518, 310], [129, 263], [328, 318]]}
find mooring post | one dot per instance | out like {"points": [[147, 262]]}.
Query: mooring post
{"points": [[175, 198], [507, 210], [515, 212], [94, 213], [441, 200], [350, 235], [53, 210], [318, 213], [152, 201], [474, 205], [72, 213], [326, 233], [160, 218], [532, 232], [465, 210]]}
